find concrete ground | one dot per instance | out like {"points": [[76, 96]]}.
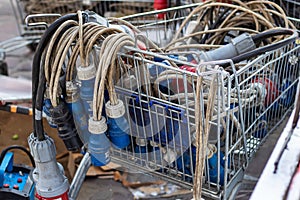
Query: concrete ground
{"points": [[98, 189]]}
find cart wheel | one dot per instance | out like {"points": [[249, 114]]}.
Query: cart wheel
{"points": [[235, 191], [3, 68]]}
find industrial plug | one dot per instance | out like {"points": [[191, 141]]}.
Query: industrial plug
{"points": [[51, 183], [99, 144], [46, 109], [239, 45], [47, 105], [77, 110], [65, 126], [86, 75], [118, 127]]}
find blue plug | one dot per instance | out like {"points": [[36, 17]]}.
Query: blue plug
{"points": [[155, 154], [213, 170], [87, 77], [99, 144], [287, 97], [141, 146], [76, 108], [46, 109], [141, 150], [118, 129], [183, 163], [212, 165]]}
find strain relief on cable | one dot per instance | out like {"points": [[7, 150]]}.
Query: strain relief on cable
{"points": [[170, 155], [97, 127], [243, 43], [141, 142], [42, 151], [260, 88], [153, 143], [115, 111], [72, 93], [86, 73]]}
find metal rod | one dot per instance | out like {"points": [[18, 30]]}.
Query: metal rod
{"points": [[80, 176]]}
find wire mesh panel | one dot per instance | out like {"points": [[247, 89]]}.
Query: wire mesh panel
{"points": [[292, 9], [160, 108], [249, 105], [185, 109], [23, 8], [278, 71]]}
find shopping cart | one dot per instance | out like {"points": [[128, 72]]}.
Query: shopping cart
{"points": [[29, 36], [177, 108], [23, 8], [250, 102], [292, 8]]}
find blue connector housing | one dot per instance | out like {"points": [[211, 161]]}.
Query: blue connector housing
{"points": [[118, 131], [66, 126], [86, 94], [80, 119], [183, 163], [99, 144], [213, 166], [287, 98], [213, 170], [140, 149], [99, 149], [46, 109]]}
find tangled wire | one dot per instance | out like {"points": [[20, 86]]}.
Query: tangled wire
{"points": [[216, 23]]}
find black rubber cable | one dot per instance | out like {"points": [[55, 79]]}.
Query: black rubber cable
{"points": [[3, 153], [267, 48], [271, 33], [37, 121]]}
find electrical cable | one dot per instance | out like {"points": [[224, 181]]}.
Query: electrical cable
{"points": [[267, 48], [38, 74], [113, 43], [252, 16], [4, 151]]}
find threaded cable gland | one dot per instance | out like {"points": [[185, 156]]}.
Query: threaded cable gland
{"points": [[97, 127], [153, 144], [115, 111], [209, 151], [86, 73], [140, 142], [72, 93], [43, 151], [170, 156]]}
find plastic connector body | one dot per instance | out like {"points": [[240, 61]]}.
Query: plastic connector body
{"points": [[46, 109], [118, 127], [66, 127], [288, 91], [99, 144], [213, 170], [51, 183], [213, 165], [239, 45], [141, 146], [76, 108], [155, 154], [94, 17], [87, 77]]}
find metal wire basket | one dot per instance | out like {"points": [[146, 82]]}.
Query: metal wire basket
{"points": [[292, 8], [233, 107], [160, 103], [23, 8]]}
